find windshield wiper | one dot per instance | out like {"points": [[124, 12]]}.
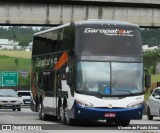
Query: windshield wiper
{"points": [[8, 96], [127, 91]]}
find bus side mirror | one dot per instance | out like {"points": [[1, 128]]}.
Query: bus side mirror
{"points": [[147, 80], [69, 78]]}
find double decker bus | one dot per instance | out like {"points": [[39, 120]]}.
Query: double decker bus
{"points": [[89, 70]]}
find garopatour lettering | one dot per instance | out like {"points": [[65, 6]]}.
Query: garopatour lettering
{"points": [[110, 32], [43, 63]]}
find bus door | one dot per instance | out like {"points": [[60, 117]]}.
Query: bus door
{"points": [[49, 88]]}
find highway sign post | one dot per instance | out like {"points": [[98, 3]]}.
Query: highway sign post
{"points": [[9, 78]]}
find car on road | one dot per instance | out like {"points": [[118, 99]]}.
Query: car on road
{"points": [[25, 97], [9, 100], [153, 104]]}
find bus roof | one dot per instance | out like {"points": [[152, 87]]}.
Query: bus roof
{"points": [[91, 22], [105, 22]]}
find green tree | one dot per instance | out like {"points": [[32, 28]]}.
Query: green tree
{"points": [[23, 42], [150, 60]]}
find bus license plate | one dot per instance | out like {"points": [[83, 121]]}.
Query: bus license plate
{"points": [[110, 115]]}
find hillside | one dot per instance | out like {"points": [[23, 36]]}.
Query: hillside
{"points": [[17, 54], [7, 60]]}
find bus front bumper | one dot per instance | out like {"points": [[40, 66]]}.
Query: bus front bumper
{"points": [[107, 113]]}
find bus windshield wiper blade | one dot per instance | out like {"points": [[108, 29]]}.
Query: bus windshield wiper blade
{"points": [[101, 94], [126, 91]]}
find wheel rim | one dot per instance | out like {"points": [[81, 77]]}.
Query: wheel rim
{"points": [[66, 114], [61, 113], [40, 110], [68, 120]]}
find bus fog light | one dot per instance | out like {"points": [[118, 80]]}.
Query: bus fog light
{"points": [[135, 105], [84, 103]]}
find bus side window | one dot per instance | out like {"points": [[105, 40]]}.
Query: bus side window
{"points": [[72, 87], [79, 80], [63, 74], [58, 80]]}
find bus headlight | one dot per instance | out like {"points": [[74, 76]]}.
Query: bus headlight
{"points": [[84, 103], [135, 105]]}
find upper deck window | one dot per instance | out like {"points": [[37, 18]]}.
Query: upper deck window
{"points": [[94, 40]]}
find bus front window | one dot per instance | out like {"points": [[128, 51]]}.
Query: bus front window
{"points": [[127, 78], [106, 78], [92, 75]]}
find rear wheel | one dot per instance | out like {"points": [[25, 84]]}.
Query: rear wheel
{"points": [[149, 116], [41, 114], [14, 109]]}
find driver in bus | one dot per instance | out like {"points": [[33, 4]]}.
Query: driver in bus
{"points": [[92, 86]]}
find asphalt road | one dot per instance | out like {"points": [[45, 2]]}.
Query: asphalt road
{"points": [[26, 119]]}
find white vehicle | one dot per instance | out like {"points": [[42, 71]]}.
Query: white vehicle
{"points": [[153, 108], [25, 97], [9, 100], [89, 70]]}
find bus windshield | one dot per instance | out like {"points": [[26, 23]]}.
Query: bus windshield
{"points": [[107, 78], [102, 40]]}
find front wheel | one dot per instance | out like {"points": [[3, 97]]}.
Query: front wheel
{"points": [[62, 115], [69, 121]]}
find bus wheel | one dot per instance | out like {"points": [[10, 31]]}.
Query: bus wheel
{"points": [[69, 121], [62, 114], [42, 116], [40, 113]]}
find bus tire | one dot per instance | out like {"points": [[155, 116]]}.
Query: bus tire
{"points": [[69, 121], [149, 116], [62, 115], [59, 106], [41, 114]]}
